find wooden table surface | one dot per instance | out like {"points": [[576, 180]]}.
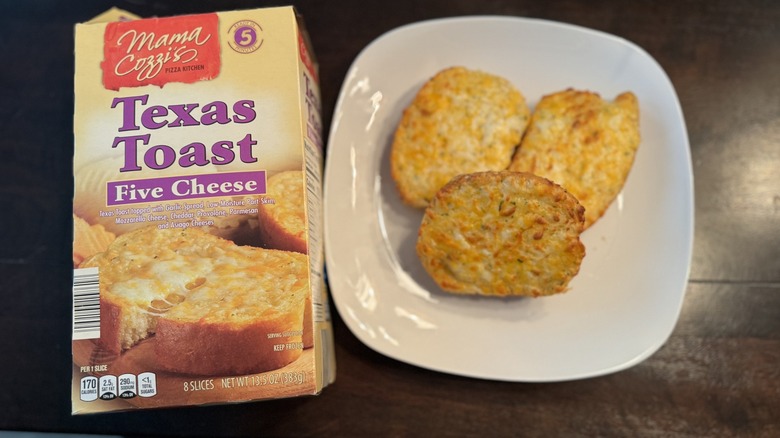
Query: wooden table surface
{"points": [[717, 375]]}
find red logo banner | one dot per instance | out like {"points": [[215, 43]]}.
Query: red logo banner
{"points": [[161, 50]]}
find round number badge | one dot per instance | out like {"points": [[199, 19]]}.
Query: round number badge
{"points": [[245, 36]]}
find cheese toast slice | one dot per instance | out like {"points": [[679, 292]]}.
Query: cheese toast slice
{"points": [[584, 143], [282, 222], [461, 121], [213, 307], [502, 234]]}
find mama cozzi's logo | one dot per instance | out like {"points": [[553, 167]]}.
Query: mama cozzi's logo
{"points": [[159, 51], [245, 36]]}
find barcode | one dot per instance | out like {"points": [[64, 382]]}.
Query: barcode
{"points": [[319, 312], [86, 304], [320, 303], [328, 367]]}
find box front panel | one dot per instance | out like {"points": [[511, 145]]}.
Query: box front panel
{"points": [[192, 279]]}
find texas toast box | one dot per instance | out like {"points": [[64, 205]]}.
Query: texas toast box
{"points": [[197, 249]]}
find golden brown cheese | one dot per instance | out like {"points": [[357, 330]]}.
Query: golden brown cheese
{"points": [[502, 233], [461, 121], [584, 143]]}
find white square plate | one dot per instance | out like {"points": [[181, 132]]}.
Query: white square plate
{"points": [[625, 301]]}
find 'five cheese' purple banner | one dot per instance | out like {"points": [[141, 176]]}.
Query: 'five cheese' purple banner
{"points": [[186, 187]]}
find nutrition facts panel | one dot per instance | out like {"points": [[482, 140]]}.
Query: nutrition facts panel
{"points": [[314, 207], [109, 387]]}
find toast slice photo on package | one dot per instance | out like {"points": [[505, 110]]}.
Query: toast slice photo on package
{"points": [[197, 218]]}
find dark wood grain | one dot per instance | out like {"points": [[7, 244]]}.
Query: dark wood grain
{"points": [[718, 375]]}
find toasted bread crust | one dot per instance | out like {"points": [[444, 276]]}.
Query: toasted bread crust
{"points": [[584, 143], [190, 348], [461, 121], [500, 234]]}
